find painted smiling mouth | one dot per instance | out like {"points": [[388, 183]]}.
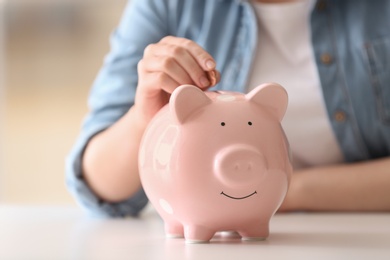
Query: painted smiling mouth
{"points": [[238, 198]]}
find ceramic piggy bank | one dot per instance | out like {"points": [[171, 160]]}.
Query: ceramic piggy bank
{"points": [[217, 161]]}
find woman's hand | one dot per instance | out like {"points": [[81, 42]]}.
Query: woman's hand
{"points": [[110, 162], [166, 65]]}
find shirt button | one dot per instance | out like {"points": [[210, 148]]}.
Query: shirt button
{"points": [[326, 58], [321, 5], [340, 116]]}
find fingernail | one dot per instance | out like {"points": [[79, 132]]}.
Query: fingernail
{"points": [[210, 64], [204, 81]]}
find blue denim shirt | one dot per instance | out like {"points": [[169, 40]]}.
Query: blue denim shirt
{"points": [[351, 41]]}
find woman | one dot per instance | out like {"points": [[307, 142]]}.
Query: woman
{"points": [[331, 56]]}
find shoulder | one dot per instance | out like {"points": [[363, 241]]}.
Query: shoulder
{"points": [[359, 18]]}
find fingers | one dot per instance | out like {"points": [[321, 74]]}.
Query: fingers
{"points": [[168, 66], [165, 82], [202, 57], [165, 66], [183, 60]]}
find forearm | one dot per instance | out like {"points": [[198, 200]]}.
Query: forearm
{"points": [[361, 186], [110, 161]]}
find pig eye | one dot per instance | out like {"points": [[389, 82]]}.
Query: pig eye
{"points": [[223, 124], [249, 123]]}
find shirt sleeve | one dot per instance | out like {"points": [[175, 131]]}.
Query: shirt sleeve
{"points": [[112, 94]]}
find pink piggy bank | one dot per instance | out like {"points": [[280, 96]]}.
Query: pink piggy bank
{"points": [[217, 161]]}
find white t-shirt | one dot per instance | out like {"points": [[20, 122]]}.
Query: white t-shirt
{"points": [[285, 55]]}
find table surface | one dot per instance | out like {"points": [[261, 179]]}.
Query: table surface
{"points": [[55, 232]]}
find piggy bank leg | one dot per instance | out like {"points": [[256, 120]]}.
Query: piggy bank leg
{"points": [[198, 234], [255, 232], [174, 230]]}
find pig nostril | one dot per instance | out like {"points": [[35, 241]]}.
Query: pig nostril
{"points": [[242, 167]]}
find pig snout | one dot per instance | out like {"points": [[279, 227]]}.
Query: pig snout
{"points": [[239, 164]]}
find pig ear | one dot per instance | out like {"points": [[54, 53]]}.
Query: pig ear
{"points": [[185, 100], [272, 96]]}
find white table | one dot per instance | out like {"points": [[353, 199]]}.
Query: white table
{"points": [[67, 233]]}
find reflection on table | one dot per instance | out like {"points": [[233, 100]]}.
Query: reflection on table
{"points": [[68, 233]]}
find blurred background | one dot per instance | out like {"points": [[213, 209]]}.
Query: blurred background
{"points": [[50, 53]]}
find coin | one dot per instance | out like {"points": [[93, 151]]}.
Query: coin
{"points": [[212, 77]]}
